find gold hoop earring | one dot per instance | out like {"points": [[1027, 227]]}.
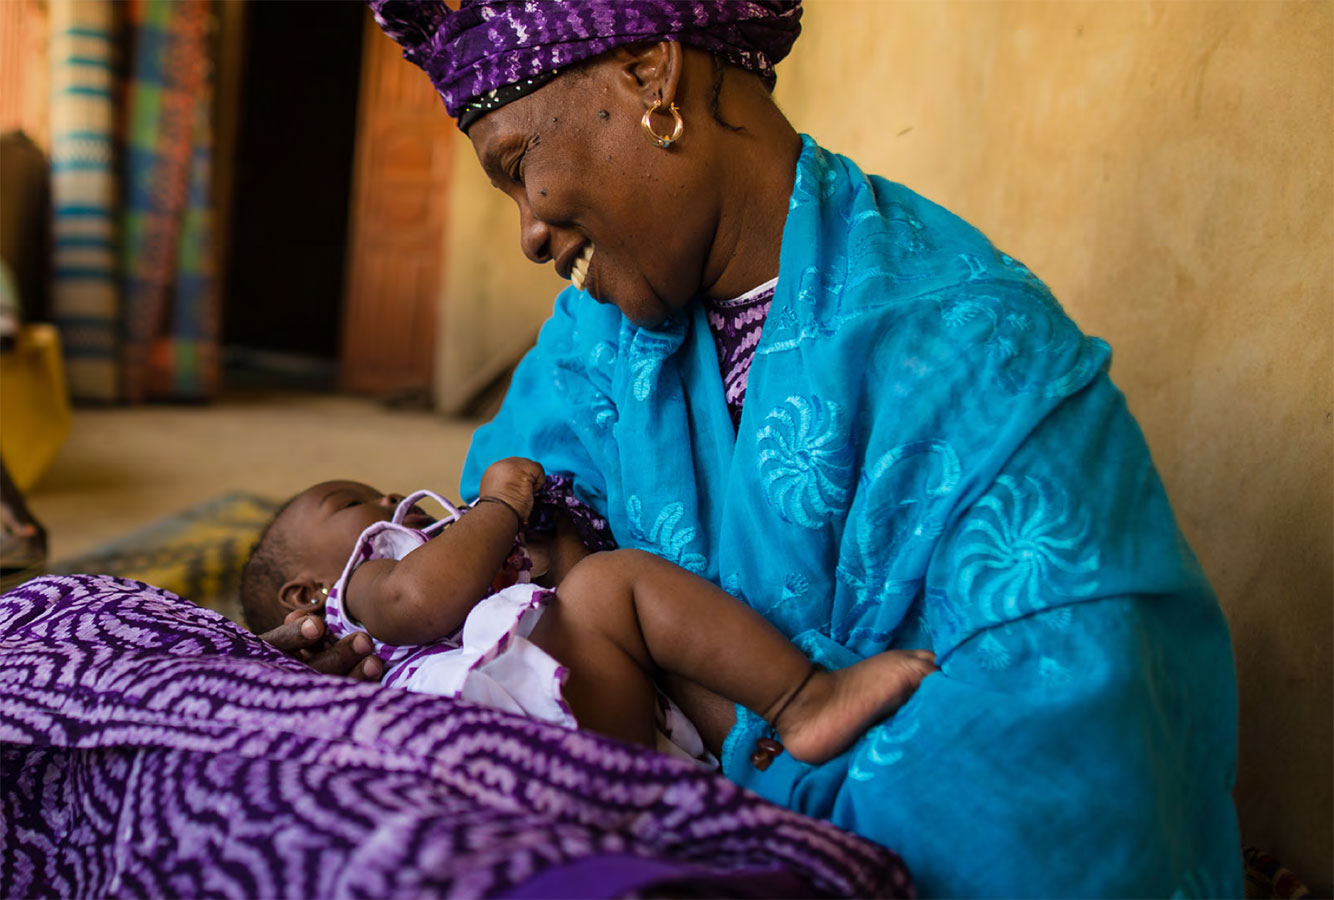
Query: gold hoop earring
{"points": [[678, 126]]}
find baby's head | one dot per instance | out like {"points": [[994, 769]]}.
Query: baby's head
{"points": [[304, 548]]}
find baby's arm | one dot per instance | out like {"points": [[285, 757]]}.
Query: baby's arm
{"points": [[427, 594]]}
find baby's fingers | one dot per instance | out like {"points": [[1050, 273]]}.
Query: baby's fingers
{"points": [[369, 669], [299, 631], [922, 662], [537, 473], [351, 656]]}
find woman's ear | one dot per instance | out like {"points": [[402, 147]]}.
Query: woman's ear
{"points": [[303, 594], [651, 70]]}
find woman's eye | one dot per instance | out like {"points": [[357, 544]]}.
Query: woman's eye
{"points": [[516, 168], [351, 503]]}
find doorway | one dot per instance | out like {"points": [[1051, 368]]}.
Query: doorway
{"points": [[299, 70]]}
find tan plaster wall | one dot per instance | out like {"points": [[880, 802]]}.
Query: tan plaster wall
{"points": [[494, 299], [1166, 168]]}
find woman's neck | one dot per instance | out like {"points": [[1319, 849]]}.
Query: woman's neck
{"points": [[759, 164]]}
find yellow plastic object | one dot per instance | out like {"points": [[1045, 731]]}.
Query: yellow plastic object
{"points": [[34, 404]]}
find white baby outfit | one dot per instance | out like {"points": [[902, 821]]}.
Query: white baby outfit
{"points": [[489, 660]]}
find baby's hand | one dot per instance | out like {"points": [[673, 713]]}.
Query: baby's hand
{"points": [[514, 480], [302, 636]]}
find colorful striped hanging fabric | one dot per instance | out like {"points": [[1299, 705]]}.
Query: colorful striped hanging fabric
{"points": [[85, 295], [171, 304]]}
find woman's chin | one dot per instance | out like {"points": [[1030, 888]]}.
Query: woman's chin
{"points": [[650, 312], [643, 308]]}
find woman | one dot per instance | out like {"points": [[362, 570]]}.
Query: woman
{"points": [[841, 403]]}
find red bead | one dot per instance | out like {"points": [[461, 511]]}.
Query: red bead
{"points": [[765, 751]]}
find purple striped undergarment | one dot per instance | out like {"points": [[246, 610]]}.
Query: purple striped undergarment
{"points": [[736, 325]]}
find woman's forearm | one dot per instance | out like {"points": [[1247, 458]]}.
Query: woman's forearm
{"points": [[426, 595]]}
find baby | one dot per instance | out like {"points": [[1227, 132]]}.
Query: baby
{"points": [[581, 645]]}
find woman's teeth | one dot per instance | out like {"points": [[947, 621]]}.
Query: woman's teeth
{"points": [[580, 269]]}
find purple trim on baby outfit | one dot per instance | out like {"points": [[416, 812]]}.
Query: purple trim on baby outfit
{"points": [[563, 675], [404, 663]]}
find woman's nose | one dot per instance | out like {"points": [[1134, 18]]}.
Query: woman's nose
{"points": [[391, 500], [534, 236]]}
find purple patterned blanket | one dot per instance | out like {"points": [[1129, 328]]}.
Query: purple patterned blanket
{"points": [[152, 748]]}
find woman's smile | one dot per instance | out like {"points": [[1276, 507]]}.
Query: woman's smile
{"points": [[579, 272]]}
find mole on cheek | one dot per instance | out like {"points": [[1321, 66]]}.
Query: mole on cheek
{"points": [[603, 115]]}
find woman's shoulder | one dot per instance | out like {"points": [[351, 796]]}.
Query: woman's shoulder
{"points": [[889, 232], [875, 264]]}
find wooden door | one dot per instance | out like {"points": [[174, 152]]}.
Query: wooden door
{"points": [[396, 226]]}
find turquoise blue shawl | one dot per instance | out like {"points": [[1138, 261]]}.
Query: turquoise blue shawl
{"points": [[931, 454]]}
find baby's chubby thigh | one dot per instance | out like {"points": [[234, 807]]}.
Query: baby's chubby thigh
{"points": [[591, 629], [600, 593]]}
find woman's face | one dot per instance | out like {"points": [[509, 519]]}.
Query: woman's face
{"points": [[634, 223]]}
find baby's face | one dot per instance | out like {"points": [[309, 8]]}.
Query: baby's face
{"points": [[324, 522]]}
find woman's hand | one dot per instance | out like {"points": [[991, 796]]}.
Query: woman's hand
{"points": [[302, 636], [514, 480]]}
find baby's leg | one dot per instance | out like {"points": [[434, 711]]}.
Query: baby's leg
{"points": [[609, 687], [623, 616]]}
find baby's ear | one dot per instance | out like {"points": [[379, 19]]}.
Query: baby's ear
{"points": [[303, 594]]}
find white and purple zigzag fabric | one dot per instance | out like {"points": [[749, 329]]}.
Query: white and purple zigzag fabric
{"points": [[152, 748]]}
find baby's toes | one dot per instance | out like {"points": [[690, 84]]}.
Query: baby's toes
{"points": [[916, 668]]}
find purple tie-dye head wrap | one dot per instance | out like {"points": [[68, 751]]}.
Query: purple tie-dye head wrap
{"points": [[488, 45]]}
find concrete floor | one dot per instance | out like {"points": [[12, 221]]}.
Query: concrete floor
{"points": [[124, 468]]}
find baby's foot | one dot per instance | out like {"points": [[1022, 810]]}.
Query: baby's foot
{"points": [[835, 708]]}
